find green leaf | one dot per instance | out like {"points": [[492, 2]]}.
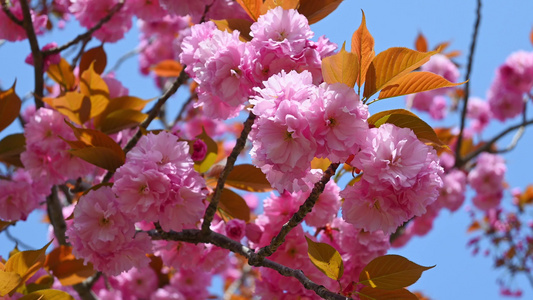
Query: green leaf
{"points": [[406, 119], [48, 295], [234, 205], [249, 178], [325, 258], [9, 281], [11, 147], [391, 272], [341, 67], [368, 293], [26, 263], [9, 106]]}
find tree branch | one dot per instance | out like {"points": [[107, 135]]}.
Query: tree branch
{"points": [[299, 216], [89, 32], [10, 15], [458, 159], [198, 236], [230, 162]]}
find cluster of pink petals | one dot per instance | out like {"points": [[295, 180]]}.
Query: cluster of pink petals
{"points": [[433, 101], [479, 113], [401, 176], [14, 32], [48, 60], [513, 79], [298, 121], [486, 178], [20, 196], [452, 193], [106, 237], [158, 183], [46, 156]]}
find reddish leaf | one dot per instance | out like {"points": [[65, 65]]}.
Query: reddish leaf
{"points": [[234, 205], [415, 82], [363, 48], [95, 55], [249, 178], [368, 293], [9, 106], [421, 44], [10, 149], [285, 4], [316, 10], [341, 67], [243, 26], [66, 267], [62, 74], [167, 68], [122, 119], [251, 7]]}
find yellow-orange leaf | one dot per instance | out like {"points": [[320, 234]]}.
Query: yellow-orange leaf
{"points": [[9, 282], [122, 119], [48, 295], [316, 10], [96, 55], [363, 48], [415, 82], [73, 105], [4, 225], [421, 44], [285, 4], [320, 163], [234, 205], [325, 258], [94, 87], [62, 74], [368, 293], [243, 26], [211, 155], [249, 178], [100, 156], [167, 68], [251, 7], [531, 36], [341, 67], [66, 267], [390, 65], [9, 106], [26, 263], [406, 119], [391, 272], [10, 149]]}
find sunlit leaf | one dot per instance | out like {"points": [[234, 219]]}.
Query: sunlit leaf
{"points": [[234, 205], [251, 7], [96, 55], [249, 178], [390, 65], [325, 258], [44, 282], [167, 68], [120, 103], [26, 263], [9, 107], [320, 163], [8, 282], [94, 87], [62, 74], [243, 26], [211, 155], [66, 267], [368, 293], [391, 272], [73, 105], [363, 48], [285, 4], [48, 295], [4, 225], [316, 10], [415, 82], [122, 119], [341, 67], [421, 44], [11, 147], [406, 119]]}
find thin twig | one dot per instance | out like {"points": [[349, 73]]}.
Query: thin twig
{"points": [[151, 116], [55, 214], [16, 241], [80, 53], [458, 159], [123, 58], [10, 14], [89, 32], [222, 241], [230, 162], [298, 217]]}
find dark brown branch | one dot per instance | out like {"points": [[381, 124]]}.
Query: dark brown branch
{"points": [[10, 15], [197, 236], [299, 216], [458, 159], [89, 32], [152, 115], [80, 53], [36, 53], [230, 162], [55, 214]]}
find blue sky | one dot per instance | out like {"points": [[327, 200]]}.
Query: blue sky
{"points": [[504, 29]]}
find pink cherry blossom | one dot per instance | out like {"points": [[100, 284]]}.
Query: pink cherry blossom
{"points": [[48, 60], [517, 72], [19, 197], [479, 112], [236, 229], [504, 103], [452, 193], [14, 32]]}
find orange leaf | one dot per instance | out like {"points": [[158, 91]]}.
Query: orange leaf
{"points": [[122, 119], [249, 178], [341, 67], [285, 4], [415, 82], [234, 205], [9, 281], [316, 10], [167, 68], [243, 26], [96, 55], [26, 263], [421, 44], [474, 226], [363, 48], [390, 65], [100, 156], [66, 267], [94, 87], [531, 36], [62, 74], [251, 7], [368, 293], [73, 105], [11, 147], [10, 105]]}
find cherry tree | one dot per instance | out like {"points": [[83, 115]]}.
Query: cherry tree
{"points": [[156, 210]]}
